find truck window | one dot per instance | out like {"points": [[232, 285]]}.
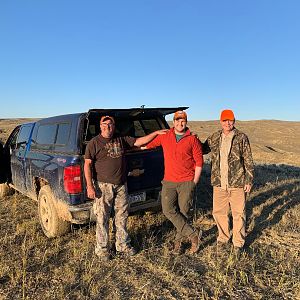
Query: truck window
{"points": [[50, 136], [63, 134], [136, 127], [139, 131], [149, 126], [12, 140], [23, 136], [46, 134]]}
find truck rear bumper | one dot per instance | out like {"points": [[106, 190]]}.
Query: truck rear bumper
{"points": [[80, 214], [84, 213]]}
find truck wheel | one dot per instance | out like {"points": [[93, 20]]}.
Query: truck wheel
{"points": [[5, 190], [51, 223]]}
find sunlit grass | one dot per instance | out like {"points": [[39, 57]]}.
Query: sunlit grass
{"points": [[35, 267]]}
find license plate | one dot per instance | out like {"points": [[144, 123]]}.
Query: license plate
{"points": [[139, 197]]}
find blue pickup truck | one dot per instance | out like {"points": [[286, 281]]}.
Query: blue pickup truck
{"points": [[44, 161]]}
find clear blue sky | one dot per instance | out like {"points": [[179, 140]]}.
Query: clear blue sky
{"points": [[65, 56]]}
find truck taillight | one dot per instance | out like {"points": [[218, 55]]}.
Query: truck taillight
{"points": [[72, 179]]}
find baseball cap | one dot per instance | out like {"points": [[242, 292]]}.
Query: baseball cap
{"points": [[227, 114], [104, 118], [180, 114]]}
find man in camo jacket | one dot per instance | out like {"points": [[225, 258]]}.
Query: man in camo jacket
{"points": [[232, 174]]}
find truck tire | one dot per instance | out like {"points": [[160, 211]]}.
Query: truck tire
{"points": [[50, 221], [5, 190]]}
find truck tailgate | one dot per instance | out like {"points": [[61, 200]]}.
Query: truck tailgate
{"points": [[145, 169]]}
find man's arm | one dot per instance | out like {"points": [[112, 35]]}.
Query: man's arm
{"points": [[248, 165], [148, 138], [197, 175], [198, 157], [88, 178]]}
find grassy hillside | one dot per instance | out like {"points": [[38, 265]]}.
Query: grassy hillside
{"points": [[271, 141], [35, 267], [7, 126]]}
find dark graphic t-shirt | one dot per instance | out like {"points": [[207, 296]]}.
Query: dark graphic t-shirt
{"points": [[108, 157]]}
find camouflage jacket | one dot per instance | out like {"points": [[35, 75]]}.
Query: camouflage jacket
{"points": [[240, 162]]}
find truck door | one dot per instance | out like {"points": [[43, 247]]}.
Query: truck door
{"points": [[6, 155], [18, 158], [3, 173]]}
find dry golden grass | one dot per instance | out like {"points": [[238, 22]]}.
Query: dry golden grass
{"points": [[35, 267]]}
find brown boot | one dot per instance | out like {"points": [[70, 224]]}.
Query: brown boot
{"points": [[103, 255], [196, 241], [177, 249], [127, 251]]}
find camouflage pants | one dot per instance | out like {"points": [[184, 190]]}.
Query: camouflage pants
{"points": [[111, 196]]}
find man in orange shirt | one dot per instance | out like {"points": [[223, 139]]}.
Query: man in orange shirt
{"points": [[183, 161]]}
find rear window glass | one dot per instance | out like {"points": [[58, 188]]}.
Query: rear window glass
{"points": [[136, 128], [150, 126], [127, 126]]}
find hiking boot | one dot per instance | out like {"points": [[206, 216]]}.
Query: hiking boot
{"points": [[103, 255], [177, 249], [237, 251], [222, 247], [196, 241], [128, 251]]}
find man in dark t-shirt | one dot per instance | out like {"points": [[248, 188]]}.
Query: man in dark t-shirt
{"points": [[105, 155]]}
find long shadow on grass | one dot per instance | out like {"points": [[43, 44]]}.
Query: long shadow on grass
{"points": [[264, 174], [267, 218], [281, 194], [275, 177]]}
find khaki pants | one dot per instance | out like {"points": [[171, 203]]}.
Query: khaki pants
{"points": [[111, 196], [223, 201], [177, 200]]}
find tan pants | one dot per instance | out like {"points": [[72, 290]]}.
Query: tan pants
{"points": [[223, 201]]}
